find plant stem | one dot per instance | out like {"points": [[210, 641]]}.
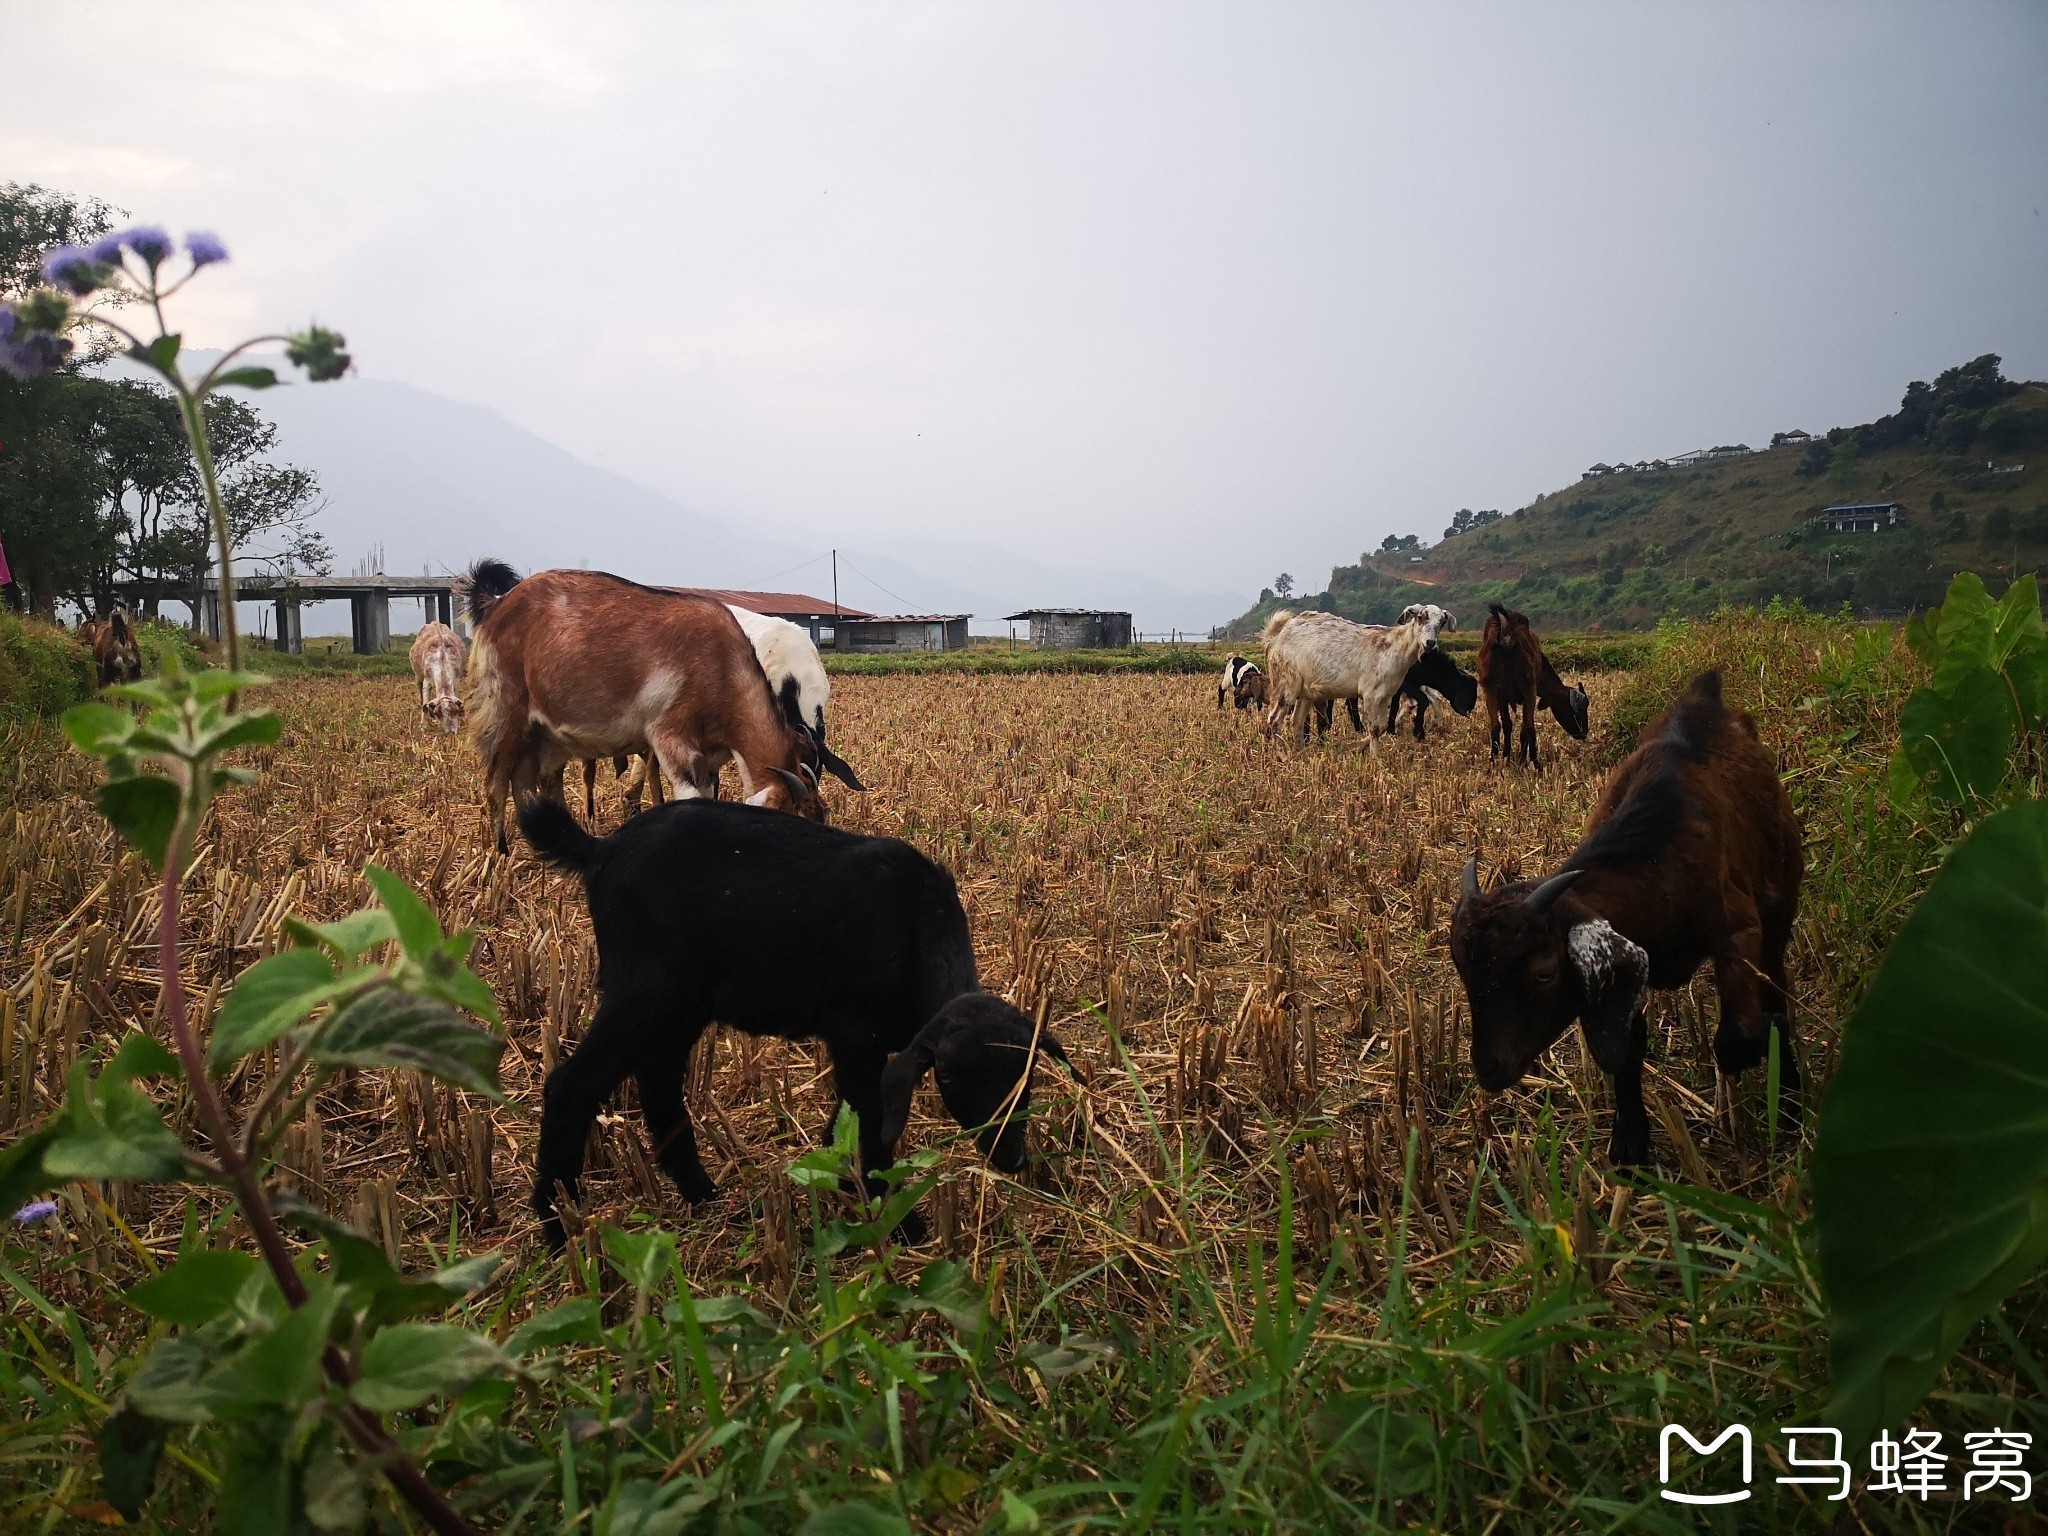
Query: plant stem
{"points": [[370, 1437], [202, 453]]}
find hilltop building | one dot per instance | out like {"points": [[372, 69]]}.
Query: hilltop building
{"points": [[1862, 517]]}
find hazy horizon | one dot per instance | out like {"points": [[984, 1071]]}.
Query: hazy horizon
{"points": [[1206, 291]]}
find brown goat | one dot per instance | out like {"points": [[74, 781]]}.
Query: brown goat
{"points": [[1693, 854], [115, 651], [579, 664], [1515, 675]]}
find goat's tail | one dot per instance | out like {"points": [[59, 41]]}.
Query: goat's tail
{"points": [[1275, 624], [119, 624], [556, 835], [486, 582]]}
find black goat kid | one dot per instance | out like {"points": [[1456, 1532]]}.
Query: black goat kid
{"points": [[708, 912]]}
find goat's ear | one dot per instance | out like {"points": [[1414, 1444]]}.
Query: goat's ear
{"points": [[906, 1069], [1612, 973], [837, 767], [1048, 1046]]}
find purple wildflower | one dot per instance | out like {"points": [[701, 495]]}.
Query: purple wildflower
{"points": [[150, 243], [204, 249], [72, 268], [105, 249], [31, 353], [34, 1211]]}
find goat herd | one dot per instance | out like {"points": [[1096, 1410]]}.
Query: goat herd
{"points": [[779, 925]]}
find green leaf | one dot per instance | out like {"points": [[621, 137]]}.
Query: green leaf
{"points": [[255, 1490], [335, 1499], [269, 998], [1960, 744], [390, 1028], [21, 1168], [854, 1519], [641, 1258], [574, 1322], [108, 1130], [1964, 631], [130, 1444], [247, 378], [2028, 675], [98, 729], [196, 1289], [442, 974], [283, 1367], [144, 810], [1930, 1175], [257, 728], [2016, 622], [361, 1265], [948, 1288], [141, 1055], [1398, 1451], [419, 931], [346, 937], [161, 354], [408, 1363], [1069, 1357], [218, 683], [175, 1383]]}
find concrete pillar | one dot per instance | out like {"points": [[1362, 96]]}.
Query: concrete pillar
{"points": [[370, 622], [444, 607], [209, 613], [291, 636]]}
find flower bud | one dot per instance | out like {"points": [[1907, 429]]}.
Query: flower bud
{"points": [[320, 352]]}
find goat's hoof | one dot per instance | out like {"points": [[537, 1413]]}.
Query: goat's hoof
{"points": [[1735, 1052], [698, 1191]]}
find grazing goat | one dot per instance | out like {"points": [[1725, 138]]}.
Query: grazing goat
{"points": [[708, 912], [796, 676], [1316, 658], [1236, 685], [436, 658], [580, 664], [115, 651], [1515, 675], [1435, 671], [1693, 854]]}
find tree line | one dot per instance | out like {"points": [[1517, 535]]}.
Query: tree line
{"points": [[97, 482]]}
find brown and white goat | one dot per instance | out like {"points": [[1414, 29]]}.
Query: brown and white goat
{"points": [[436, 658], [580, 664], [1514, 674], [1693, 854], [115, 652]]}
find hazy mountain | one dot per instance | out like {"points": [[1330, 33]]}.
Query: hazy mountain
{"points": [[433, 483]]}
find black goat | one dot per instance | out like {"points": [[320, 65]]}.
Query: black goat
{"points": [[707, 911], [1433, 670]]}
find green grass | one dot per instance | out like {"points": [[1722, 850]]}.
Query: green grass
{"points": [[43, 670]]}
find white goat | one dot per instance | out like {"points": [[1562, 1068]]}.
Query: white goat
{"points": [[1318, 658], [436, 658]]}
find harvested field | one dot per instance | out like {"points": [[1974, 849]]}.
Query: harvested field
{"points": [[1263, 929], [1242, 943]]}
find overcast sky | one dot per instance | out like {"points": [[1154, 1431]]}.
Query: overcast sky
{"points": [[1213, 288]]}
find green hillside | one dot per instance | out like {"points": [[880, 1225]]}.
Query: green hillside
{"points": [[1621, 551]]}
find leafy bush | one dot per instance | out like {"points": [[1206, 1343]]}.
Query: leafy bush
{"points": [[1930, 1177], [1970, 738], [43, 670]]}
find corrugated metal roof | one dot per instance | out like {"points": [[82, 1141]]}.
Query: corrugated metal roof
{"points": [[782, 604], [1089, 613], [912, 618]]}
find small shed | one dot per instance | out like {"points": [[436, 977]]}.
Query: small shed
{"points": [[1862, 517], [1076, 629], [903, 632], [1793, 439]]}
